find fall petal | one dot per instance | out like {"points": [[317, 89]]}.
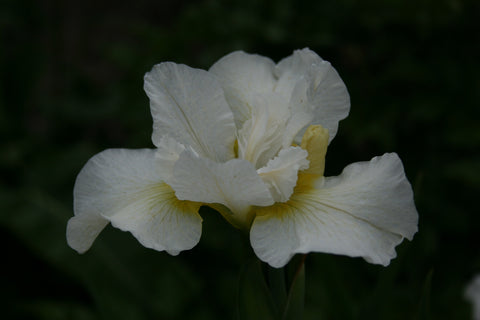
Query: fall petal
{"points": [[376, 191], [125, 187], [364, 212], [83, 229], [160, 221]]}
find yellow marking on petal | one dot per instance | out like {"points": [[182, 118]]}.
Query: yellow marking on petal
{"points": [[300, 199], [168, 199]]}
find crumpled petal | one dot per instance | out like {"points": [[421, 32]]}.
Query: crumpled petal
{"points": [[280, 173], [189, 106], [125, 187], [364, 212], [243, 77], [234, 183], [315, 88]]}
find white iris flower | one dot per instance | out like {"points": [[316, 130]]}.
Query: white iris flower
{"points": [[247, 138]]}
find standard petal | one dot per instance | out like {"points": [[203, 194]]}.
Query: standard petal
{"points": [[280, 173], [189, 106], [125, 187], [323, 95], [364, 212], [234, 184], [243, 76]]}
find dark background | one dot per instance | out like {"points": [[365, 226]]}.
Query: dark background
{"points": [[71, 75]]}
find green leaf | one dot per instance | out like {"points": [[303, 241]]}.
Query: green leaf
{"points": [[295, 302], [277, 285], [254, 299], [424, 304]]}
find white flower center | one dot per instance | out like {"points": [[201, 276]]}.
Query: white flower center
{"points": [[261, 141]]}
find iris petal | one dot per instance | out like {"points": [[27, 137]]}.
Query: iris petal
{"points": [[234, 183], [189, 106], [243, 77], [125, 187], [280, 173], [364, 212], [322, 93]]}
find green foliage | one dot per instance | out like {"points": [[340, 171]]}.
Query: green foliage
{"points": [[294, 305], [255, 299], [268, 293], [71, 77]]}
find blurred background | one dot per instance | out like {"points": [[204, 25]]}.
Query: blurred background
{"points": [[71, 75]]}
